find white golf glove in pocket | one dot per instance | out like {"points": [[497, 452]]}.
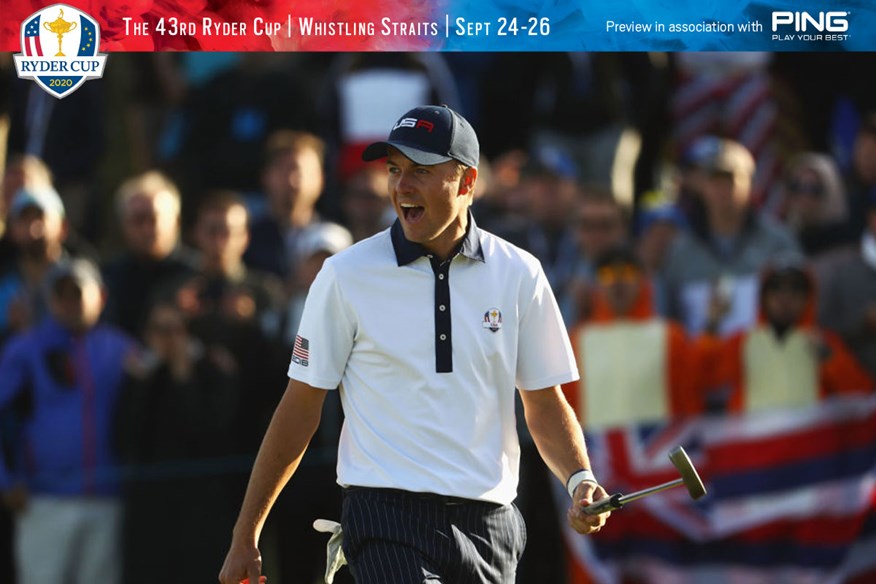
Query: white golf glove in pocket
{"points": [[334, 552]]}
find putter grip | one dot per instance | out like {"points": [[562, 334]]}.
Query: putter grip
{"points": [[609, 504]]}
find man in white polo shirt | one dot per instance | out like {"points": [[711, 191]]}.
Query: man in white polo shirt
{"points": [[426, 329]]}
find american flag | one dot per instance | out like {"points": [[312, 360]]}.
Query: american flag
{"points": [[32, 46], [301, 349]]}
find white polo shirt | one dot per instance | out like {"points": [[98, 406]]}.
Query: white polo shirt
{"points": [[427, 357]]}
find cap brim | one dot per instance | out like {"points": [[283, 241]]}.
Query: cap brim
{"points": [[378, 150]]}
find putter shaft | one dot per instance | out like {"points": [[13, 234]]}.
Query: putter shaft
{"points": [[618, 500]]}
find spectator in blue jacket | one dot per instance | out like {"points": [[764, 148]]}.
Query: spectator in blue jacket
{"points": [[64, 376]]}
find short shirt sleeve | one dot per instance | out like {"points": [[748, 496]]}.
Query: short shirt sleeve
{"points": [[544, 353], [325, 335]]}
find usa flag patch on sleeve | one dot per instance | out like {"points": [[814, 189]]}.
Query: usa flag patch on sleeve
{"points": [[301, 351]]}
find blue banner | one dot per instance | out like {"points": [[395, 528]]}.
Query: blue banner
{"points": [[659, 25]]}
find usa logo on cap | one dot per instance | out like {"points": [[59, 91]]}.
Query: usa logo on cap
{"points": [[59, 49]]}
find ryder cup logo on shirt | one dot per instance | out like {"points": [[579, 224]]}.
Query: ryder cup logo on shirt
{"points": [[59, 49], [493, 319]]}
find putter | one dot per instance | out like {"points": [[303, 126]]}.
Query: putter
{"points": [[689, 478]]}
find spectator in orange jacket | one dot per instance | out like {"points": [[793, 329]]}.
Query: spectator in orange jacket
{"points": [[636, 366], [785, 360]]}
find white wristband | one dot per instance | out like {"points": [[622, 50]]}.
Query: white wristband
{"points": [[585, 474]]}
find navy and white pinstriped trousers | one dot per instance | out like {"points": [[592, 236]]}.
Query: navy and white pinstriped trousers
{"points": [[397, 537]]}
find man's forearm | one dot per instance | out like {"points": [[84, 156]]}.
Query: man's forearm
{"points": [[556, 431], [293, 425]]}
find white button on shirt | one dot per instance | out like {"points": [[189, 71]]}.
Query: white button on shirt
{"points": [[370, 320]]}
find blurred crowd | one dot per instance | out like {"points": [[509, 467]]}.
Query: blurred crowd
{"points": [[707, 223]]}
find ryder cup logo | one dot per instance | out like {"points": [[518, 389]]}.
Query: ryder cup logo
{"points": [[493, 319], [59, 49]]}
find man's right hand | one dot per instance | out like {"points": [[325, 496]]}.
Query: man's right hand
{"points": [[243, 563], [292, 427]]}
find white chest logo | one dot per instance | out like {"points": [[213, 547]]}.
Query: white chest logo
{"points": [[493, 319]]}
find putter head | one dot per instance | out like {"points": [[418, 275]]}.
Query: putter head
{"points": [[689, 475]]}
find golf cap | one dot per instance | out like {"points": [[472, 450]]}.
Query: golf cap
{"points": [[80, 270], [429, 135], [714, 154], [44, 198], [551, 161], [666, 213], [323, 237]]}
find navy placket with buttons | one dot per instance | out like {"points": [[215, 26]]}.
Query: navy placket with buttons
{"points": [[443, 338], [407, 252]]}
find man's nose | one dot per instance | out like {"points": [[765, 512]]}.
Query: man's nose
{"points": [[405, 182]]}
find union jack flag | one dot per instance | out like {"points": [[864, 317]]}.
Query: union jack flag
{"points": [[32, 46], [792, 498]]}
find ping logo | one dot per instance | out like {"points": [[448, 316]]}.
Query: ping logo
{"points": [[414, 123], [804, 21], [74, 34]]}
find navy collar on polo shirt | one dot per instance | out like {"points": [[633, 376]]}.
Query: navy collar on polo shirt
{"points": [[407, 251]]}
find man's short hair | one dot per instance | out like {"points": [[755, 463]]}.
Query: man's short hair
{"points": [[221, 201], [149, 183], [284, 142]]}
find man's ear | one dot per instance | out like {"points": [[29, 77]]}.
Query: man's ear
{"points": [[468, 180]]}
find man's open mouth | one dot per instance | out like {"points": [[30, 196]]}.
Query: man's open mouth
{"points": [[412, 213]]}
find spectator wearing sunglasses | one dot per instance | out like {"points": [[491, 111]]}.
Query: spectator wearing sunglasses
{"points": [[663, 380], [601, 223], [815, 206], [786, 360]]}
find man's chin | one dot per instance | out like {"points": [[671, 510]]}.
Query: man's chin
{"points": [[413, 235]]}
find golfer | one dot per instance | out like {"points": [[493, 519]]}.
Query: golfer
{"points": [[426, 329]]}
